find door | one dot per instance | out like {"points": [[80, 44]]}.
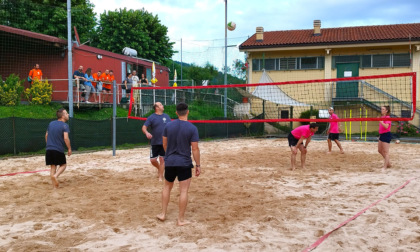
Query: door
{"points": [[347, 89]]}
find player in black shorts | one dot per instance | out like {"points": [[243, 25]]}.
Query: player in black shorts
{"points": [[56, 137], [156, 122], [180, 139]]}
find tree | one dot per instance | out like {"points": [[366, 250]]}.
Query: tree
{"points": [[49, 16], [239, 69], [136, 29]]}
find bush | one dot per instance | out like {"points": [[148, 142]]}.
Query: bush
{"points": [[407, 129], [11, 90], [39, 93], [307, 115]]}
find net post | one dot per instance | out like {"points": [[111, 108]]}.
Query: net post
{"points": [[114, 117], [345, 123], [350, 127]]}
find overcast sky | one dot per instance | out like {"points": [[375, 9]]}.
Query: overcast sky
{"points": [[200, 23]]}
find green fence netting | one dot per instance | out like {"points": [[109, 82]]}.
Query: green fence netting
{"points": [[22, 135]]}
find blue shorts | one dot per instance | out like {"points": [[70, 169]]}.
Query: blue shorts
{"points": [[385, 137]]}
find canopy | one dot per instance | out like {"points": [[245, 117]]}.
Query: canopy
{"points": [[271, 93]]}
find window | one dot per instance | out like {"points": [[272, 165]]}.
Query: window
{"points": [[288, 63], [284, 114], [401, 60], [345, 59], [308, 63], [270, 64], [256, 65], [381, 60], [366, 61]]}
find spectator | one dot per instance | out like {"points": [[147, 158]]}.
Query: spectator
{"points": [[35, 74], [79, 76], [97, 84], [144, 80], [106, 84], [128, 83], [136, 93], [88, 84]]}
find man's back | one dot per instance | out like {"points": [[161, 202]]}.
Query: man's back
{"points": [[55, 140], [180, 134]]}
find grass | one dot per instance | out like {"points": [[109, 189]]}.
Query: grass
{"points": [[48, 112]]}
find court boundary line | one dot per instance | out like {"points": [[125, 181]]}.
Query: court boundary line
{"points": [[16, 173], [322, 238]]}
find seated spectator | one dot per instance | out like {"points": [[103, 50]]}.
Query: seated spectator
{"points": [[79, 76]]}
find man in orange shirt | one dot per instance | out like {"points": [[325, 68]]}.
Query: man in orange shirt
{"points": [[107, 78], [97, 84], [35, 74]]}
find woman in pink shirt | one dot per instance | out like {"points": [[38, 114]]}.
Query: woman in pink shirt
{"points": [[385, 136], [333, 132], [296, 138]]}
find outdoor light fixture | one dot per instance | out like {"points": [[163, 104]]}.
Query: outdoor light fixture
{"points": [[99, 56]]}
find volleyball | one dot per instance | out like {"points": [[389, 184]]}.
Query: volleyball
{"points": [[397, 141], [231, 26]]}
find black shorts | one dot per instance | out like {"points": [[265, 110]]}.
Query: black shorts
{"points": [[106, 89], [333, 136], [385, 137], [53, 157], [292, 140], [156, 151], [182, 172]]}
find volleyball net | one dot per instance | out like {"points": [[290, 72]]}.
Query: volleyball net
{"points": [[301, 101]]}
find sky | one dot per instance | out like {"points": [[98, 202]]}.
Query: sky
{"points": [[200, 23]]}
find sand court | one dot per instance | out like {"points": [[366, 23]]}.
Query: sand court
{"points": [[246, 198]]}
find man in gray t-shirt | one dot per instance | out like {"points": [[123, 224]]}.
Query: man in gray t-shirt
{"points": [[156, 122], [180, 138], [56, 137]]}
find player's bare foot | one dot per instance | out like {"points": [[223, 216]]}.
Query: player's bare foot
{"points": [[341, 151], [161, 217], [303, 167], [183, 223], [160, 179], [292, 169], [54, 181], [389, 166], [328, 152]]}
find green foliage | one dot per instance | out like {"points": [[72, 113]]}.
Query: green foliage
{"points": [[199, 110], [48, 112], [30, 111], [39, 93], [407, 129], [239, 69], [314, 112], [49, 16], [136, 29], [101, 114], [11, 90]]}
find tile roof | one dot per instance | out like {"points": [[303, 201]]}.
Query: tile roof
{"points": [[336, 36]]}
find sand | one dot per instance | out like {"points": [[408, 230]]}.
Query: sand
{"points": [[246, 199]]}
